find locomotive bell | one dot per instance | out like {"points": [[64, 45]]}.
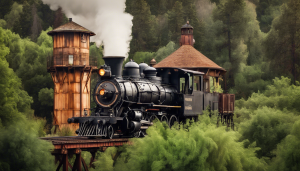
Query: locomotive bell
{"points": [[132, 69]]}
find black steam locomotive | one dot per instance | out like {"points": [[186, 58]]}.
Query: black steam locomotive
{"points": [[128, 103]]}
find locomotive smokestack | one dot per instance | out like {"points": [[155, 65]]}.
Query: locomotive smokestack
{"points": [[115, 63]]}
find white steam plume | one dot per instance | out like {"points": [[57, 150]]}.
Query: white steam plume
{"points": [[106, 18]]}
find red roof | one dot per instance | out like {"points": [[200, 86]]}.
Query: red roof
{"points": [[71, 27], [187, 57]]}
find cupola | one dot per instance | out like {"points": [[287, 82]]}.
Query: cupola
{"points": [[187, 37]]}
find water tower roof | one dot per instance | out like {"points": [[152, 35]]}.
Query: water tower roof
{"points": [[71, 27]]}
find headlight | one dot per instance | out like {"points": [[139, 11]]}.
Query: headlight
{"points": [[102, 92], [101, 72]]}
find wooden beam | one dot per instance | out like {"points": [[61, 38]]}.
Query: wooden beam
{"points": [[65, 162], [84, 165]]}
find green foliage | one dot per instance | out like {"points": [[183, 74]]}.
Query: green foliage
{"points": [[29, 59], [5, 6], [143, 29], [146, 57], [279, 95], [288, 153], [194, 146], [21, 149], [46, 96], [105, 160], [266, 11], [267, 127], [13, 16], [176, 21], [266, 118], [65, 131], [2, 23], [161, 54], [97, 52], [282, 44], [251, 80], [13, 98]]}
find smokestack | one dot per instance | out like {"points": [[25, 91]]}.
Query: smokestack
{"points": [[115, 63]]}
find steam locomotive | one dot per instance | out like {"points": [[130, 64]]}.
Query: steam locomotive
{"points": [[128, 102]]}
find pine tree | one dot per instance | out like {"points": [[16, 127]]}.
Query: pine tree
{"points": [[36, 27], [234, 24], [283, 42], [23, 26], [143, 29], [5, 7], [176, 20]]}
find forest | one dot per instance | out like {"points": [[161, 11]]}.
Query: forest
{"points": [[256, 41]]}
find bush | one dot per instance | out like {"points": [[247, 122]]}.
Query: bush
{"points": [[194, 146], [22, 150], [267, 127]]}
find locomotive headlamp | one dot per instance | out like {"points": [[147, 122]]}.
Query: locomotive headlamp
{"points": [[102, 92], [104, 71], [101, 72]]}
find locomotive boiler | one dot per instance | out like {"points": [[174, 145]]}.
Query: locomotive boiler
{"points": [[129, 100]]}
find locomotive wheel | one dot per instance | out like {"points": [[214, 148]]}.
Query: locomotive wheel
{"points": [[110, 132], [153, 117], [164, 118], [172, 120]]}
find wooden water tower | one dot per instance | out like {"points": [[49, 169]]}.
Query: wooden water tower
{"points": [[71, 68]]}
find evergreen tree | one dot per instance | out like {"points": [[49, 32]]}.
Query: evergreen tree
{"points": [[5, 7], [36, 27], [234, 23], [266, 11], [158, 7], [283, 42], [13, 15], [143, 29], [176, 20], [22, 27], [59, 16]]}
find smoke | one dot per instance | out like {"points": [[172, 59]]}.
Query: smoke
{"points": [[106, 18]]}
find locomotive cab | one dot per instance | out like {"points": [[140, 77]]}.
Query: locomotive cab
{"points": [[190, 88]]}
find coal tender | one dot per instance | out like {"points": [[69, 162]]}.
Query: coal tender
{"points": [[129, 100]]}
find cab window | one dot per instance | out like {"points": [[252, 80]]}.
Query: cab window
{"points": [[197, 83], [186, 83]]}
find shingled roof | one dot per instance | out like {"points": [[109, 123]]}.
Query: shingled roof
{"points": [[71, 27], [188, 57]]}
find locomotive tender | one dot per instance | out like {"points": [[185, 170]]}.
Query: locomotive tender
{"points": [[128, 102]]}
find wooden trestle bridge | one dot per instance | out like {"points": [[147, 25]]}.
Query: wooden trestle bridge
{"points": [[65, 146]]}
